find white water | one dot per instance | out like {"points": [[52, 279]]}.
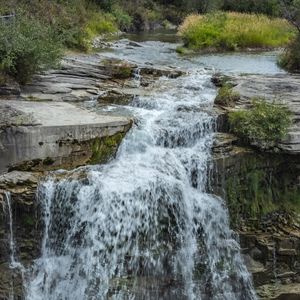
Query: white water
{"points": [[14, 264], [12, 246], [143, 226]]}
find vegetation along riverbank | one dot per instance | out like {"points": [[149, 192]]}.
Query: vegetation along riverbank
{"points": [[38, 32]]}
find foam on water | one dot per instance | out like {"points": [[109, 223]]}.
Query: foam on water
{"points": [[143, 226]]}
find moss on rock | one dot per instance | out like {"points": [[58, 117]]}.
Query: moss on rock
{"points": [[118, 69], [261, 184], [104, 148]]}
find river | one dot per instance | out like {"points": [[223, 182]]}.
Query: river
{"points": [[143, 226]]}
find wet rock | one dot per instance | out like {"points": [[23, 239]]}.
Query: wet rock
{"points": [[11, 287], [134, 44], [119, 69], [287, 247], [116, 96], [26, 220], [10, 89], [21, 184], [223, 143], [280, 292], [261, 191], [158, 72]]}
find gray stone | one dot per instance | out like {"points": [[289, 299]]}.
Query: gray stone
{"points": [[283, 89], [280, 292], [63, 127]]}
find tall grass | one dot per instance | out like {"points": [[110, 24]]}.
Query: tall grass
{"points": [[234, 31]]}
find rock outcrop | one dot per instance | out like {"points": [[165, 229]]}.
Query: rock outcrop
{"points": [[283, 89], [262, 192], [60, 136]]}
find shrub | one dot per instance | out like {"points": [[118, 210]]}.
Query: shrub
{"points": [[122, 18], [290, 59], [27, 46], [265, 122], [226, 96], [73, 22], [233, 31]]}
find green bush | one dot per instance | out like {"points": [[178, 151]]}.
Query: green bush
{"points": [[79, 23], [290, 59], [122, 18], [27, 46], [265, 122], [226, 96]]}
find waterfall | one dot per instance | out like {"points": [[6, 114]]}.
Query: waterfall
{"points": [[12, 246], [137, 77], [14, 264], [143, 226]]}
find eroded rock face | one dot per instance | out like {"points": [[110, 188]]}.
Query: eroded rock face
{"points": [[27, 228], [262, 191]]}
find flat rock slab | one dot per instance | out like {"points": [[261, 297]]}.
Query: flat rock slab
{"points": [[62, 136], [64, 114]]}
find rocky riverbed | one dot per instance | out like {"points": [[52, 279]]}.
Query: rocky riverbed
{"points": [[45, 127]]}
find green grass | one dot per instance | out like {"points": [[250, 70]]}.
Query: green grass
{"points": [[98, 24], [234, 31]]}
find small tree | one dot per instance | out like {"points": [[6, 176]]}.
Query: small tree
{"points": [[291, 57], [27, 46], [291, 11]]}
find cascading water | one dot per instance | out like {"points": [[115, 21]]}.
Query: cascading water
{"points": [[12, 246], [14, 264], [142, 226]]}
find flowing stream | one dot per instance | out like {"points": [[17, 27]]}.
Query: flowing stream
{"points": [[143, 226]]}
